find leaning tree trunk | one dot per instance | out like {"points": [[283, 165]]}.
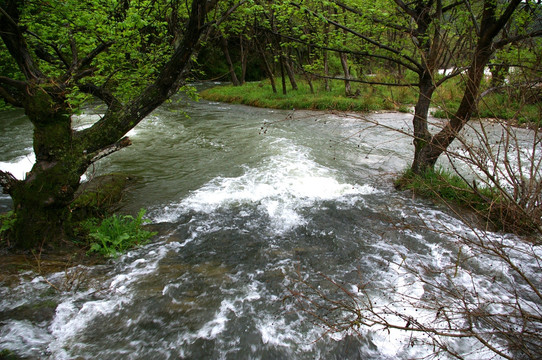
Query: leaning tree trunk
{"points": [[290, 71], [267, 67], [439, 143], [490, 26]]}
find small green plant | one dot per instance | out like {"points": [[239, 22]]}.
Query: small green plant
{"points": [[7, 221], [116, 234]]}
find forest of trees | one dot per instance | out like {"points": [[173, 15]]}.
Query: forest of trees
{"points": [[133, 55]]}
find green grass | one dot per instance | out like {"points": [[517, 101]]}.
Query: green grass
{"points": [[373, 98], [448, 187], [507, 105], [490, 205], [260, 94]]}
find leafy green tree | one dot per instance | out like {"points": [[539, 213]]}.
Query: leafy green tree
{"points": [[489, 24], [421, 37], [131, 55]]}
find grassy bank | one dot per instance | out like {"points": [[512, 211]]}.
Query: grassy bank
{"points": [[494, 210], [506, 106], [261, 94]]}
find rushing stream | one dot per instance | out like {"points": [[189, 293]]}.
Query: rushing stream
{"points": [[243, 199]]}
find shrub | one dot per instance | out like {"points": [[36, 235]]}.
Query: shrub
{"points": [[116, 234]]}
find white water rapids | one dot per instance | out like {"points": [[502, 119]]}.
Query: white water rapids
{"points": [[241, 212]]}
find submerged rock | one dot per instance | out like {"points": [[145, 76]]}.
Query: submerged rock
{"points": [[100, 196]]}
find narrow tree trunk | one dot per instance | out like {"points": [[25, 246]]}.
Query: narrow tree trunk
{"points": [[327, 86], [289, 70], [347, 86], [309, 81], [282, 75], [233, 77], [267, 68], [244, 60], [344, 62]]}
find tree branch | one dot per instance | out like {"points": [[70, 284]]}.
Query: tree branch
{"points": [[101, 93], [501, 43], [7, 181], [117, 122], [362, 81], [13, 92], [376, 20], [21, 85], [97, 51], [346, 51], [122, 143], [12, 36], [367, 39], [45, 55], [10, 99]]}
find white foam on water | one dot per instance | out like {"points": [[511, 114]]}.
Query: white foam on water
{"points": [[75, 313], [280, 187], [27, 338], [231, 307], [445, 270], [19, 166]]}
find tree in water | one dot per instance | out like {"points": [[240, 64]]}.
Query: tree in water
{"points": [[132, 56]]}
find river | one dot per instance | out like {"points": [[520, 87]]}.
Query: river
{"points": [[246, 201]]}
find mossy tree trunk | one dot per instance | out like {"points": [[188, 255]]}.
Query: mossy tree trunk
{"points": [[42, 200]]}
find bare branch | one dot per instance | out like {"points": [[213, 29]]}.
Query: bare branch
{"points": [[369, 40], [363, 81]]}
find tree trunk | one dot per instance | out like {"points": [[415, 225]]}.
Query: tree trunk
{"points": [[282, 75], [440, 142], [327, 86], [422, 136], [290, 72], [347, 86], [267, 68], [244, 60], [233, 77], [427, 154], [41, 201]]}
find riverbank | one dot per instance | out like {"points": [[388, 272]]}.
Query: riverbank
{"points": [[260, 94], [367, 98]]}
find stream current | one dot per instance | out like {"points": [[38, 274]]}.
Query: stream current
{"points": [[244, 199]]}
